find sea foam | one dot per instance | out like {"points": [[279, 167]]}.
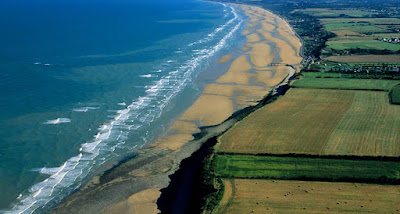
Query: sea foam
{"points": [[146, 75], [84, 109], [57, 121]]}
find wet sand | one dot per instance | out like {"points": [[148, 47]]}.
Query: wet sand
{"points": [[264, 62], [141, 202], [225, 59]]}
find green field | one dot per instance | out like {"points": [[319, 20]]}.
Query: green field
{"points": [[383, 35], [365, 59], [326, 12], [348, 76], [353, 33], [362, 43], [356, 27], [395, 94], [376, 21], [344, 83], [321, 75], [251, 166]]}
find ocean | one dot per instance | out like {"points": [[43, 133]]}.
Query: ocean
{"points": [[85, 84]]}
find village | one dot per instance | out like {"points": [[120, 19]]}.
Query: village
{"points": [[390, 40], [381, 68]]}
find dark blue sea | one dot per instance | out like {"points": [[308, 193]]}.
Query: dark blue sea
{"points": [[85, 84]]}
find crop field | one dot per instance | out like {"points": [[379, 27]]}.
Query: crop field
{"points": [[349, 76], [356, 32], [364, 76], [305, 168], [344, 83], [362, 43], [266, 196], [326, 12], [356, 27], [383, 35], [395, 95], [375, 21], [321, 75], [366, 58], [320, 122]]}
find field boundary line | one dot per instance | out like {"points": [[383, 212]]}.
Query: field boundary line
{"points": [[297, 155]]}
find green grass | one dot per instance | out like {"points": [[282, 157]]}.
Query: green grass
{"points": [[343, 83], [349, 75], [346, 43], [357, 20], [326, 12], [250, 166], [395, 94], [321, 75], [356, 27], [371, 63], [384, 35]]}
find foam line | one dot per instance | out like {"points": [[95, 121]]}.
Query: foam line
{"points": [[57, 121]]}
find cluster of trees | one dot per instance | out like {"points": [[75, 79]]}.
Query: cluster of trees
{"points": [[312, 31]]}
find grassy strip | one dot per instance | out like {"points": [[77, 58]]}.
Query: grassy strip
{"points": [[349, 76], [394, 95], [347, 84], [212, 184], [295, 168]]}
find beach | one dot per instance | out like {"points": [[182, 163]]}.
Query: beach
{"points": [[271, 55]]}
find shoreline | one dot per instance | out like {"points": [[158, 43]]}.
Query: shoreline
{"points": [[185, 192], [134, 186]]}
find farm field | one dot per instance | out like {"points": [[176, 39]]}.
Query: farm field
{"points": [[356, 31], [383, 35], [355, 27], [321, 75], [306, 168], [342, 43], [375, 21], [319, 122], [366, 58], [395, 95], [329, 75], [344, 83], [266, 196], [327, 12]]}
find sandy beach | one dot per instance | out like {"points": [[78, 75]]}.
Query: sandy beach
{"points": [[271, 55]]}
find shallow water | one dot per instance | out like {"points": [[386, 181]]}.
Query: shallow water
{"points": [[85, 84]]}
